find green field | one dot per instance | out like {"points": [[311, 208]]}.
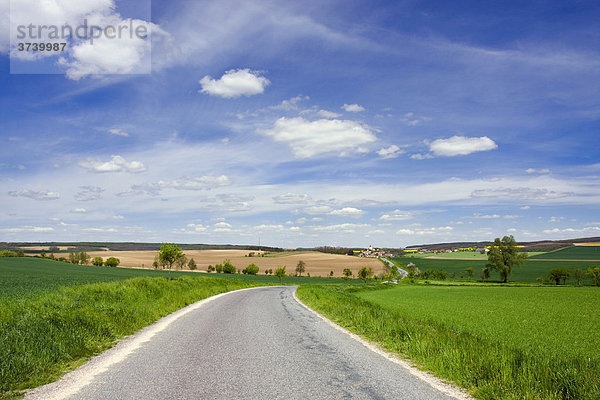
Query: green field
{"points": [[496, 342], [572, 253], [527, 273]]}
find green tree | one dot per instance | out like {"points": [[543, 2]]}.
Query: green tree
{"points": [[181, 262], [251, 269], [558, 274], [97, 261], [280, 273], [84, 258], [578, 275], [331, 274], [594, 275], [219, 268], [192, 264], [504, 256], [169, 254], [365, 273], [300, 268], [469, 272], [112, 262], [228, 267], [484, 274], [347, 273]]}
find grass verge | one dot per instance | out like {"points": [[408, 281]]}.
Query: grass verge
{"points": [[489, 369], [41, 337]]}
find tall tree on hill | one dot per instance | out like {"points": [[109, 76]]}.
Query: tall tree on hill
{"points": [[300, 268], [503, 256], [169, 254]]}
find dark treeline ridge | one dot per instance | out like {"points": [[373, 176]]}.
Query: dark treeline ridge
{"points": [[128, 246]]}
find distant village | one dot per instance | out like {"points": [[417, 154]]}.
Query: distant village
{"points": [[376, 252]]}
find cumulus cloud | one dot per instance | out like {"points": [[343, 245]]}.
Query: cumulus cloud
{"points": [[235, 83], [312, 138], [353, 108], [411, 119], [537, 171], [397, 215], [292, 198], [78, 210], [118, 132], [348, 212], [88, 193], [391, 152], [116, 164], [205, 182], [461, 146], [35, 194], [290, 104], [424, 231], [328, 114]]}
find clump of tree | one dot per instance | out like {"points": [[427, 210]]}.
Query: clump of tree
{"points": [[211, 268], [434, 274], [269, 271], [469, 272], [192, 265], [300, 268], [280, 273], [578, 275], [79, 257], [413, 271], [97, 261], [365, 273], [181, 262], [347, 273], [251, 269], [228, 267], [559, 274], [8, 253], [219, 268], [594, 275], [169, 254], [484, 274], [504, 256], [112, 262]]}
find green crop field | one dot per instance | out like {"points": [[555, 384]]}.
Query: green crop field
{"points": [[529, 272], [496, 342], [572, 253]]}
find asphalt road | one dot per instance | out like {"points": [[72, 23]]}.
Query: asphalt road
{"points": [[250, 344]]}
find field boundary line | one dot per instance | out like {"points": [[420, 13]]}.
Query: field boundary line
{"points": [[72, 382], [433, 381]]}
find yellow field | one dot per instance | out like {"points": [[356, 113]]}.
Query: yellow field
{"points": [[317, 264]]}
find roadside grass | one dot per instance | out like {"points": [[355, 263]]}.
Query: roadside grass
{"points": [[52, 319], [572, 253], [529, 272], [496, 342]]}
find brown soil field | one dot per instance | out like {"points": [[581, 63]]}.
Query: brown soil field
{"points": [[587, 244], [317, 264]]}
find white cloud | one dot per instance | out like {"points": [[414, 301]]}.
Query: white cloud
{"points": [[411, 119], [235, 83], [78, 210], [292, 198], [316, 210], [290, 104], [353, 108], [421, 156], [118, 132], [524, 208], [391, 152], [405, 232], [35, 194], [346, 228], [265, 227], [205, 182], [88, 193], [29, 229], [556, 219], [312, 138], [522, 193], [461, 145], [328, 114], [425, 231], [116, 164], [537, 171], [397, 215], [348, 212]]}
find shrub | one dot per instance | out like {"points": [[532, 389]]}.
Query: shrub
{"points": [[97, 261], [112, 262], [192, 265], [347, 273], [251, 269], [228, 268], [219, 268]]}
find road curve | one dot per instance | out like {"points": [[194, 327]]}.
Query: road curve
{"points": [[250, 344]]}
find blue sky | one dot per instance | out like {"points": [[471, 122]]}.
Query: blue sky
{"points": [[304, 124]]}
